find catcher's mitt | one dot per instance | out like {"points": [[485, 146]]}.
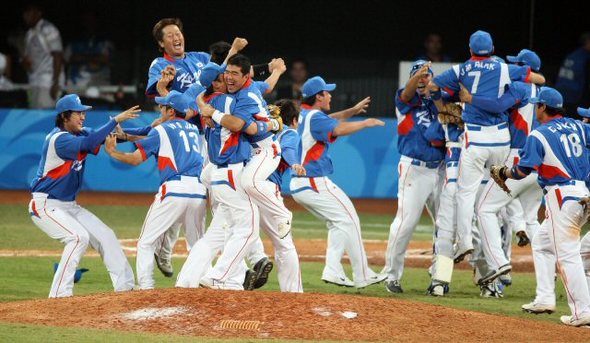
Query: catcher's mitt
{"points": [[275, 117], [451, 114], [498, 173]]}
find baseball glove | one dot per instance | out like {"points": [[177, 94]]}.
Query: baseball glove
{"points": [[498, 173], [451, 114], [275, 118]]}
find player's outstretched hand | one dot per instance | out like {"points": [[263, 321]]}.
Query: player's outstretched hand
{"points": [[371, 122], [299, 169], [361, 106], [464, 94], [205, 109], [110, 144], [130, 113]]}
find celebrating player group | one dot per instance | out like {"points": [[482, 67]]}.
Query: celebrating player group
{"points": [[481, 144]]}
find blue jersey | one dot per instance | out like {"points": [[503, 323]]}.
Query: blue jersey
{"points": [[558, 151], [175, 145], [522, 119], [481, 76], [188, 70], [61, 168], [315, 129], [290, 144], [251, 104], [226, 147], [413, 120], [571, 80], [445, 135], [192, 92]]}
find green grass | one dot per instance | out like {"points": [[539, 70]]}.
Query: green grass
{"points": [[19, 232], [24, 278]]}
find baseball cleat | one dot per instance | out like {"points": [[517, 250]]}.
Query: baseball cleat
{"points": [[249, 280], [393, 287], [523, 239], [437, 289], [164, 265], [505, 279], [535, 308], [569, 320], [338, 280], [377, 278], [461, 254], [491, 276], [490, 290], [261, 270]]}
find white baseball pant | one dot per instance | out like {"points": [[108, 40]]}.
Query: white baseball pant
{"points": [[286, 258], [266, 155], [481, 145], [585, 253], [419, 182], [557, 243], [237, 215], [493, 199], [77, 228], [325, 200], [166, 211], [446, 216]]}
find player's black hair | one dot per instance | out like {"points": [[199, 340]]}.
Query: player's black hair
{"points": [[289, 110], [61, 118], [179, 114], [310, 100], [219, 51], [553, 111], [241, 61], [160, 25]]}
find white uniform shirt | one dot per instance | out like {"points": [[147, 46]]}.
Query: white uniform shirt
{"points": [[40, 41]]}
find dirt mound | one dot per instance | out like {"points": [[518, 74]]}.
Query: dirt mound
{"points": [[211, 313]]}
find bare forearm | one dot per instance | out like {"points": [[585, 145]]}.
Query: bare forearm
{"points": [[125, 157], [347, 128], [343, 115], [272, 80]]}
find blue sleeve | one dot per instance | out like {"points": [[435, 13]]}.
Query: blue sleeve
{"points": [[435, 133], [150, 145], [289, 144], [154, 75], [405, 107], [262, 86], [519, 73], [89, 140], [245, 110], [531, 156], [498, 105], [448, 80], [322, 127], [138, 131], [587, 134]]}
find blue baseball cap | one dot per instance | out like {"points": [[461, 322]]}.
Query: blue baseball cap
{"points": [[481, 43], [71, 102], [548, 96], [190, 96], [209, 73], [527, 57], [417, 65], [584, 112], [315, 85], [174, 99]]}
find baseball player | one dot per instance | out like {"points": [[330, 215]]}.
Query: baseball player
{"points": [[179, 199], [419, 168], [558, 151], [235, 216], [177, 69], [487, 138], [55, 187], [526, 191], [286, 258], [318, 194]]}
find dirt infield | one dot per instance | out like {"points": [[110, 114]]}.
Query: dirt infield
{"points": [[228, 314]]}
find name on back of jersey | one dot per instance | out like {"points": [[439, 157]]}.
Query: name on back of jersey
{"points": [[489, 65], [561, 126], [180, 124]]}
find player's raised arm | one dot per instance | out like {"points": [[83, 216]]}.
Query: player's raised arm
{"points": [[133, 158], [360, 107]]}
